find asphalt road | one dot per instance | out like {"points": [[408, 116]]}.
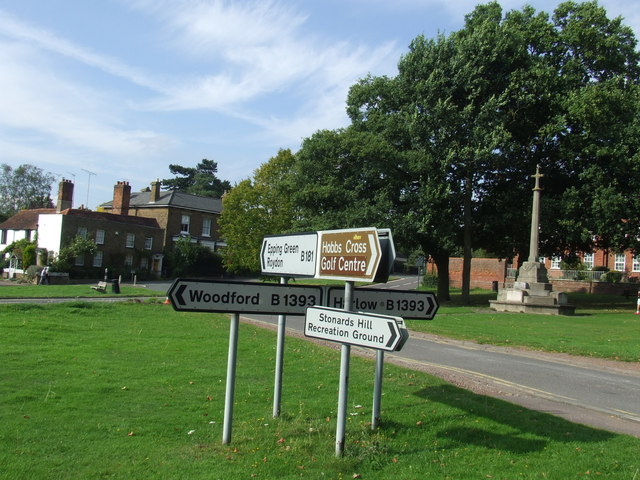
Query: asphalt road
{"points": [[602, 394]]}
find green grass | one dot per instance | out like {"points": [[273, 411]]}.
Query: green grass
{"points": [[72, 291], [604, 326], [136, 391]]}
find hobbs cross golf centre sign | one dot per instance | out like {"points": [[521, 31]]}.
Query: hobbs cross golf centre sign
{"points": [[350, 255]]}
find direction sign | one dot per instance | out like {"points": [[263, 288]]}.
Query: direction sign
{"points": [[196, 295], [289, 255], [401, 303], [354, 328], [351, 255]]}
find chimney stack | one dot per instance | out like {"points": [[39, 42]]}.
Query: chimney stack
{"points": [[65, 195], [154, 196], [121, 197]]}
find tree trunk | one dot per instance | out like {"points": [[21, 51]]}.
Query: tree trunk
{"points": [[442, 263], [467, 249]]}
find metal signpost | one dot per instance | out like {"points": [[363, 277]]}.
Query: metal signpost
{"points": [[349, 255], [194, 295], [287, 256]]}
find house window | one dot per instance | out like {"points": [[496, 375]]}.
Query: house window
{"points": [[206, 227], [148, 243], [620, 262], [144, 263], [97, 259], [128, 260], [184, 224], [79, 261], [4, 237], [588, 260], [555, 263], [636, 263], [82, 232], [131, 240], [99, 237]]}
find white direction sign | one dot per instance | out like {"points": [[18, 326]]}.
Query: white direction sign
{"points": [[289, 255], [351, 255], [401, 303], [355, 328], [195, 295]]}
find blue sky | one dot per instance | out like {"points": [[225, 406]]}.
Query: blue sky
{"points": [[107, 90]]}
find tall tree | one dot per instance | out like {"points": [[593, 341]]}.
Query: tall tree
{"points": [[477, 110], [255, 208], [26, 186], [344, 179], [198, 180]]}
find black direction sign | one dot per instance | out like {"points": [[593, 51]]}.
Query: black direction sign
{"points": [[402, 303], [196, 295]]}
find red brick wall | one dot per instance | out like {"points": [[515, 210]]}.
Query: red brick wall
{"points": [[484, 271]]}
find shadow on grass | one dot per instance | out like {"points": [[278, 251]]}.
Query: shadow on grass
{"points": [[518, 430]]}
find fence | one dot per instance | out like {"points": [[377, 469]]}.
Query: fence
{"points": [[576, 275]]}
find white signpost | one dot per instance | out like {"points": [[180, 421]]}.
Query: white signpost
{"points": [[289, 255], [400, 303], [193, 295], [354, 328]]}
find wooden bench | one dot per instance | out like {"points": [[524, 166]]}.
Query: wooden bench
{"points": [[101, 287]]}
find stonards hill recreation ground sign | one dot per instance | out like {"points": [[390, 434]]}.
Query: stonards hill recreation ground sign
{"points": [[355, 328]]}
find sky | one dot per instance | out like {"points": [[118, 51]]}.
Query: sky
{"points": [[104, 91]]}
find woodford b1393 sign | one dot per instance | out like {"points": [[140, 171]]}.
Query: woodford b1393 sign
{"points": [[350, 255]]}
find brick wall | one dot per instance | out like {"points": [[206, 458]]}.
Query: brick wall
{"points": [[484, 271]]}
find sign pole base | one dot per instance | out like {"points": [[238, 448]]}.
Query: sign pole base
{"points": [[231, 379]]}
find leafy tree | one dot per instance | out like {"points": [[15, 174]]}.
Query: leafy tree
{"points": [[255, 208], [76, 247], [201, 180], [24, 187], [475, 111], [344, 179], [191, 258]]}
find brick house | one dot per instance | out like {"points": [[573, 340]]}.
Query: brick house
{"points": [[124, 242], [178, 214]]}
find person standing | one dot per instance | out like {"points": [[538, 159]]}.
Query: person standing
{"points": [[44, 275]]}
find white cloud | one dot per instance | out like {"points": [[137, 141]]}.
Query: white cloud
{"points": [[45, 40]]}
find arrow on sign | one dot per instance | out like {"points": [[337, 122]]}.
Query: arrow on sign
{"points": [[393, 328], [178, 295]]}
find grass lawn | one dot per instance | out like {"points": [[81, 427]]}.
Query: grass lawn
{"points": [[72, 291], [136, 391]]}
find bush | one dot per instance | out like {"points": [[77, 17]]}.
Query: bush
{"points": [[32, 272], [612, 276], [29, 255]]}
